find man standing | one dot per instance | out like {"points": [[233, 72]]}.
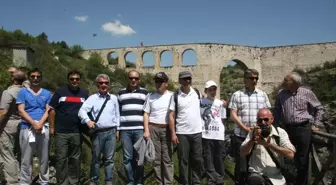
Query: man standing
{"points": [[64, 122], [131, 101], [11, 70], [34, 130], [9, 121], [185, 109], [104, 137], [157, 128], [299, 111], [244, 105]]}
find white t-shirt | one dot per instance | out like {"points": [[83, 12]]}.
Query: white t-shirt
{"points": [[212, 113], [188, 118], [156, 106]]}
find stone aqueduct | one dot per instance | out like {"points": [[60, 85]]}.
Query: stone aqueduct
{"points": [[272, 62]]}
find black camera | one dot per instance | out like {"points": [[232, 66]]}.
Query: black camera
{"points": [[265, 130]]}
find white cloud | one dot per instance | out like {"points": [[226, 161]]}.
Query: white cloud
{"points": [[81, 18], [116, 28]]}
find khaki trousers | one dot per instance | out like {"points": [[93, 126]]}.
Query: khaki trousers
{"points": [[163, 163], [9, 164]]}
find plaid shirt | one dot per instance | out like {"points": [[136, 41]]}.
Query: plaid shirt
{"points": [[247, 105]]}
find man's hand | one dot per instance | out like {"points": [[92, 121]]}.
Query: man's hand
{"points": [[36, 125], [174, 139], [91, 124], [51, 131], [146, 135], [117, 136], [248, 129], [314, 128], [256, 133], [224, 103], [262, 141]]}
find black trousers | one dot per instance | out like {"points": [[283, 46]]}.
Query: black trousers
{"points": [[300, 136], [190, 147], [241, 163], [256, 179], [213, 161]]}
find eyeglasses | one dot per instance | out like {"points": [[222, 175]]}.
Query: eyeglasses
{"points": [[253, 78], [133, 78], [101, 83], [35, 76], [73, 79], [260, 120]]}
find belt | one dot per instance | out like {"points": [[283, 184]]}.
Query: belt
{"points": [[104, 129], [302, 124], [159, 125]]}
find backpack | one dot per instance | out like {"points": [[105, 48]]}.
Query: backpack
{"points": [[176, 102]]}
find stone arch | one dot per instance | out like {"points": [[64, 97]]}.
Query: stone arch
{"points": [[130, 59], [231, 78], [166, 58], [189, 57], [112, 58], [148, 59]]}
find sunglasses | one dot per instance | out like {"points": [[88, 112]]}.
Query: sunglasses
{"points": [[253, 78], [133, 78], [35, 76], [260, 120], [158, 80], [73, 79], [101, 83], [188, 78]]}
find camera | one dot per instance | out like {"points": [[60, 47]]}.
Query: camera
{"points": [[265, 130]]}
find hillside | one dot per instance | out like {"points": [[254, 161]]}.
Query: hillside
{"points": [[57, 58]]}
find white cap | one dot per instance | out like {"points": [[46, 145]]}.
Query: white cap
{"points": [[210, 83]]}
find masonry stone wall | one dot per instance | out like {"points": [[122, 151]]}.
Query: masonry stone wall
{"points": [[273, 63]]}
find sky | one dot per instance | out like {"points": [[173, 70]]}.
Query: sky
{"points": [[128, 23]]}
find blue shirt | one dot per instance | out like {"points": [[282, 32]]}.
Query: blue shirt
{"points": [[110, 117], [35, 104]]}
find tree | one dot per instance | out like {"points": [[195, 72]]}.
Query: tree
{"points": [[43, 38]]}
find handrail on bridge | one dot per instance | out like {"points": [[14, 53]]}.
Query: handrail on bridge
{"points": [[319, 177], [331, 160]]}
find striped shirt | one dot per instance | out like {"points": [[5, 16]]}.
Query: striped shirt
{"points": [[298, 107], [131, 108], [247, 105]]}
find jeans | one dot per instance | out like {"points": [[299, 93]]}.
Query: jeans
{"points": [[103, 142], [190, 147], [68, 151], [134, 172]]}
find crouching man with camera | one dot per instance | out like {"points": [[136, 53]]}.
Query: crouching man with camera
{"points": [[265, 147]]}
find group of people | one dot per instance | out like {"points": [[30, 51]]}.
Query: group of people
{"points": [[186, 118]]}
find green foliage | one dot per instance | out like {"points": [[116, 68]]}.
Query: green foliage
{"points": [[231, 79], [6, 61]]}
